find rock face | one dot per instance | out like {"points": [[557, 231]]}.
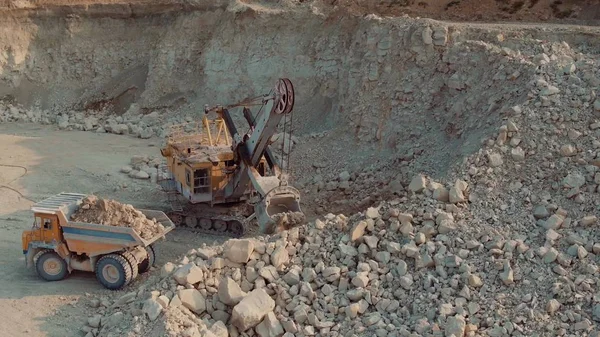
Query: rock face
{"points": [[455, 195], [418, 183], [455, 326], [358, 230], [112, 213], [252, 309], [495, 159], [279, 257]]}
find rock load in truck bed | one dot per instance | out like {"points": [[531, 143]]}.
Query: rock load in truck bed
{"points": [[112, 213]]}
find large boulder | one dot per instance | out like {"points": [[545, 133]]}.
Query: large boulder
{"points": [[193, 300], [189, 273], [230, 292], [238, 251], [252, 309], [270, 327], [152, 308]]}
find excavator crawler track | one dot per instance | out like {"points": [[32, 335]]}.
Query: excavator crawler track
{"points": [[232, 222]]}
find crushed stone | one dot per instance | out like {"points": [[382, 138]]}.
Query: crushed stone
{"points": [[112, 213]]}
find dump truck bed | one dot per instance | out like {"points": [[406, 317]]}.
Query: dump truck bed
{"points": [[95, 239]]}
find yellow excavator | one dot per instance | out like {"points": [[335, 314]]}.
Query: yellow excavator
{"points": [[219, 180]]}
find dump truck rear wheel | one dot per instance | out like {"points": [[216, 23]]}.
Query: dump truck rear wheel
{"points": [[113, 271], [148, 262], [50, 266], [132, 264]]}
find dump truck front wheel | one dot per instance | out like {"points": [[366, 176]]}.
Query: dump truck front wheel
{"points": [[113, 271], [148, 262], [50, 266]]}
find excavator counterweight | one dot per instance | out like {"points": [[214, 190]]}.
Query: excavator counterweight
{"points": [[218, 180]]}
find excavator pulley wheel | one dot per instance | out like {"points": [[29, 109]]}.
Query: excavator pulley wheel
{"points": [[285, 89], [289, 96]]}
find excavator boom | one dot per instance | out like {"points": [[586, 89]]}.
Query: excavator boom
{"points": [[279, 204]]}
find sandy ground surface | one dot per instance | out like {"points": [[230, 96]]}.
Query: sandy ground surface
{"points": [[72, 162]]}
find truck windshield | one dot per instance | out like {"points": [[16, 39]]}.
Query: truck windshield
{"points": [[36, 222]]}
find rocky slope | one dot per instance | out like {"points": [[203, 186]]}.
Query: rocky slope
{"points": [[506, 244], [389, 97], [563, 11]]}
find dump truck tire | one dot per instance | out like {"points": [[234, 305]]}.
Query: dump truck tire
{"points": [[113, 271], [133, 264], [148, 261], [50, 266]]}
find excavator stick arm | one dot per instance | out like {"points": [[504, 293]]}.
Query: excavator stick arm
{"points": [[252, 147], [279, 206], [271, 160]]}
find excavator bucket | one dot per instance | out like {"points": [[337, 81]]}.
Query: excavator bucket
{"points": [[279, 210]]}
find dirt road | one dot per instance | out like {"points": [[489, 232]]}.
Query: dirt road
{"points": [[36, 162]]}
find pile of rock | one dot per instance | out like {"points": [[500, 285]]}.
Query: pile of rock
{"points": [[112, 213], [511, 246], [142, 167], [133, 122], [384, 272], [12, 113]]}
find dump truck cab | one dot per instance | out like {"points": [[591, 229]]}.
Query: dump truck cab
{"points": [[44, 247], [45, 230]]}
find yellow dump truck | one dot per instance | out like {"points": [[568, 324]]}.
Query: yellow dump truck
{"points": [[56, 246]]}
